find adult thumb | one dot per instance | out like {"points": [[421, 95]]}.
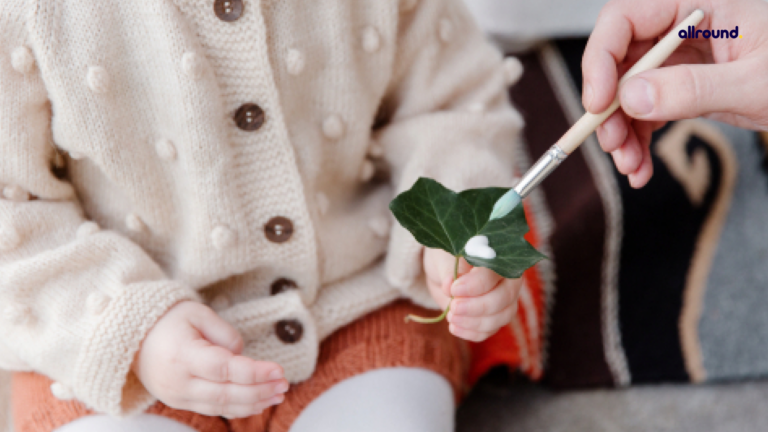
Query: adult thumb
{"points": [[684, 91]]}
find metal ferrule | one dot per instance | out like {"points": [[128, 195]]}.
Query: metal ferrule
{"points": [[541, 170]]}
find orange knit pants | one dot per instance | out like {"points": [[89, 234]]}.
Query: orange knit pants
{"points": [[378, 340]]}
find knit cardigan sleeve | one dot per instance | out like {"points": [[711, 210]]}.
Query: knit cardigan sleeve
{"points": [[448, 117], [75, 301]]}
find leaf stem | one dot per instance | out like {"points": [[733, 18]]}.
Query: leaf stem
{"points": [[437, 319]]}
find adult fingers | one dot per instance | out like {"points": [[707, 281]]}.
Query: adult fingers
{"points": [[476, 282], [216, 330], [613, 132], [688, 91], [491, 303], [620, 22], [628, 157], [643, 174]]}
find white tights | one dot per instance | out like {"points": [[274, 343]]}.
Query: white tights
{"points": [[382, 400]]}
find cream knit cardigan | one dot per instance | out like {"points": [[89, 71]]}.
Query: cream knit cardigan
{"points": [[166, 199]]}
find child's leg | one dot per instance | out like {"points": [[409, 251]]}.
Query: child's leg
{"points": [[377, 373], [140, 423], [383, 400]]}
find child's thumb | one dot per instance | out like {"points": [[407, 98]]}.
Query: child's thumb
{"points": [[684, 91], [217, 331]]}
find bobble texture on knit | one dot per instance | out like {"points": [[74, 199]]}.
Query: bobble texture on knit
{"points": [[9, 238], [333, 127], [513, 70], [476, 107], [134, 223], [323, 204], [375, 150], [294, 61], [98, 81], [222, 237], [18, 314], [87, 228], [165, 149], [445, 30], [15, 193], [61, 391], [367, 170], [22, 60], [379, 225], [192, 65], [97, 302], [371, 40]]}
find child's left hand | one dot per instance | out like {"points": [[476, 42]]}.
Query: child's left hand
{"points": [[483, 301]]}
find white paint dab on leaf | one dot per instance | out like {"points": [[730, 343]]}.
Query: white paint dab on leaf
{"points": [[477, 246]]}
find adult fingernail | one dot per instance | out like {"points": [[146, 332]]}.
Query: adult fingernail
{"points": [[588, 95], [276, 400], [275, 374], [637, 97], [281, 388]]}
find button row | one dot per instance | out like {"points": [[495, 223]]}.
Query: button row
{"points": [[228, 10]]}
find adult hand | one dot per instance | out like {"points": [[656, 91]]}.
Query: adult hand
{"points": [[722, 79]]}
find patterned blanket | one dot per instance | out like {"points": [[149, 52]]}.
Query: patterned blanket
{"points": [[664, 284]]}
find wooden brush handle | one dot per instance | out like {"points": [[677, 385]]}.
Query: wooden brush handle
{"points": [[651, 60]]}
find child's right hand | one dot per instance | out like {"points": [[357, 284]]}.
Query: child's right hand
{"points": [[189, 360], [723, 79]]}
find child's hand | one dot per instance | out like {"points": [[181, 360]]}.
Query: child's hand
{"points": [[189, 361], [483, 301], [723, 79]]}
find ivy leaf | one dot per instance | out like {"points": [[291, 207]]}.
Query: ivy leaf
{"points": [[440, 218]]}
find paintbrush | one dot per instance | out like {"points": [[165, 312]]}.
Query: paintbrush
{"points": [[587, 124]]}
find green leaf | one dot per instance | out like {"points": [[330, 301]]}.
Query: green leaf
{"points": [[440, 218]]}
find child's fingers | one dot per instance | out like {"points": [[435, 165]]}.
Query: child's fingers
{"points": [[484, 324], [233, 411], [214, 363], [243, 370], [469, 335], [477, 282], [216, 330], [209, 362], [488, 304], [200, 390]]}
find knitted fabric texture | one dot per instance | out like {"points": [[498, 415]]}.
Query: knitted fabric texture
{"points": [[378, 340], [166, 197]]}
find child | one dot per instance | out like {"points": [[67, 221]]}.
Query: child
{"points": [[194, 210]]}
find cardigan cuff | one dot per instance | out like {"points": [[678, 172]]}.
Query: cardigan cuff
{"points": [[103, 380]]}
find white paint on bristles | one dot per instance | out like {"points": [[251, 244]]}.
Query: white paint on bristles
{"points": [[477, 246]]}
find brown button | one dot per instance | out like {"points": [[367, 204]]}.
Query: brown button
{"points": [[228, 10], [282, 285], [278, 229], [249, 117], [289, 331]]}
